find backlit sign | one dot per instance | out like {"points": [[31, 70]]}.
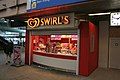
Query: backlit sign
{"points": [[40, 4], [48, 21]]}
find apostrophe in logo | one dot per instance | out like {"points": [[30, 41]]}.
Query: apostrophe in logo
{"points": [[34, 4], [33, 22]]}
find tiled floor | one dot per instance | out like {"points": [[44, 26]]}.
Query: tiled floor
{"points": [[8, 72]]}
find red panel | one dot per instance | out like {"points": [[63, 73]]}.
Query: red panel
{"points": [[27, 48], [84, 48], [88, 60], [93, 57], [32, 47]]}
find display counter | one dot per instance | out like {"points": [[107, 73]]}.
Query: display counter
{"points": [[54, 60], [55, 44], [58, 51], [61, 56]]}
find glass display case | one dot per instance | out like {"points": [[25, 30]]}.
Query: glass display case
{"points": [[55, 44]]}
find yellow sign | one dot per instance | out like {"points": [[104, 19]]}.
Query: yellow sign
{"points": [[34, 4], [33, 22], [56, 20]]}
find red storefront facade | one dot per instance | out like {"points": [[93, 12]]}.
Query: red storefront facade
{"points": [[73, 44]]}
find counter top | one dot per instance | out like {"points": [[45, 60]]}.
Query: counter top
{"points": [[62, 56]]}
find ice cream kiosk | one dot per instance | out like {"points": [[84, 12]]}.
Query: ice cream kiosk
{"points": [[62, 41]]}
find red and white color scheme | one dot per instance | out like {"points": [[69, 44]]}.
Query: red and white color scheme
{"points": [[58, 42]]}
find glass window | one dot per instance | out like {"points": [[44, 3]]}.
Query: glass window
{"points": [[55, 44]]}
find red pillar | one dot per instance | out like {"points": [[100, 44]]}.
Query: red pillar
{"points": [[88, 61], [27, 48]]}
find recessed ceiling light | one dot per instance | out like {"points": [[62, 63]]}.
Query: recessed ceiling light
{"points": [[97, 14], [12, 20], [5, 21]]}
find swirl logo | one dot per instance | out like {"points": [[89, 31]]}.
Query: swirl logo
{"points": [[34, 5], [33, 22]]}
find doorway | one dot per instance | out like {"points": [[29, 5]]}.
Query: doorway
{"points": [[114, 51]]}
